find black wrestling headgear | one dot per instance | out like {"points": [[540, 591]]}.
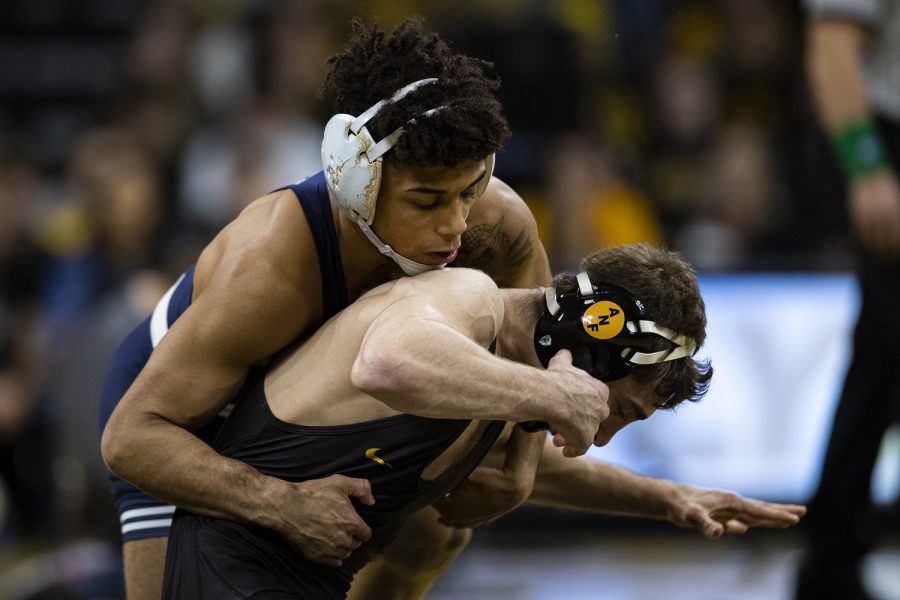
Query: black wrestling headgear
{"points": [[605, 328]]}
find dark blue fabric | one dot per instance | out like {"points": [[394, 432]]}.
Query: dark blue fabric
{"points": [[135, 350], [313, 195]]}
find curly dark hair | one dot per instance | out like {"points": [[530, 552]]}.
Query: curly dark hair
{"points": [[374, 65], [666, 285]]}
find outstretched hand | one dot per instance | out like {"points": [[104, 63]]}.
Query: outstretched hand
{"points": [[714, 513]]}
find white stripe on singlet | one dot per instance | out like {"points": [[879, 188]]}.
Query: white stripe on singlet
{"points": [[159, 321], [135, 513], [146, 525]]}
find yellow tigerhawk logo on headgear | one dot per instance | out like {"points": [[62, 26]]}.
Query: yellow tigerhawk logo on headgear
{"points": [[603, 320]]}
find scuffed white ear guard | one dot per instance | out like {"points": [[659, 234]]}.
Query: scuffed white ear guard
{"points": [[352, 162], [351, 158]]}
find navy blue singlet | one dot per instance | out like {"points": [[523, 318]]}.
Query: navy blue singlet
{"points": [[142, 516]]}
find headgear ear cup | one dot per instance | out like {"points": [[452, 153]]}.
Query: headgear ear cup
{"points": [[605, 328], [581, 358], [352, 178], [486, 180], [351, 158]]}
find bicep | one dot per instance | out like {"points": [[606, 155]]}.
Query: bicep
{"points": [[446, 315], [202, 361]]}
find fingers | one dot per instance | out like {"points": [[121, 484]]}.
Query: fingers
{"points": [[574, 451], [735, 526], [702, 521], [765, 514], [339, 547], [358, 488], [712, 529], [363, 532], [563, 358], [570, 449]]}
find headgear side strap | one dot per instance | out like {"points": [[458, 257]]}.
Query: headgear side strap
{"points": [[370, 112], [685, 346], [584, 285]]}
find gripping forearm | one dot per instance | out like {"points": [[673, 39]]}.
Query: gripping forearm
{"points": [[589, 485], [429, 369], [170, 463], [522, 455]]}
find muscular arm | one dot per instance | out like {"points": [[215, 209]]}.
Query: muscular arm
{"points": [[503, 241], [198, 366], [588, 485], [425, 355], [248, 309]]}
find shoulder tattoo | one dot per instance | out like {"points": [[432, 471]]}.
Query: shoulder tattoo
{"points": [[490, 249]]}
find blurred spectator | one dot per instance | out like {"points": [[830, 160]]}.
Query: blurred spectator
{"points": [[273, 136], [736, 202], [107, 227], [594, 207], [685, 111], [100, 238], [26, 489]]}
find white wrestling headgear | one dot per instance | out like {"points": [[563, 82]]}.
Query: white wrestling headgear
{"points": [[352, 162]]}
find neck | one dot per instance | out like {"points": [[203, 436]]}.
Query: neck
{"points": [[364, 266], [521, 311]]}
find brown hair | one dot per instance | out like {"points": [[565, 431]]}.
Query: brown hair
{"points": [[666, 285]]}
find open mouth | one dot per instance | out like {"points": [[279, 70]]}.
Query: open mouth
{"points": [[446, 256]]}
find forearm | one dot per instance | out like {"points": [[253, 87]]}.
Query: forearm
{"points": [[834, 68], [171, 464], [590, 485], [454, 378], [523, 456]]}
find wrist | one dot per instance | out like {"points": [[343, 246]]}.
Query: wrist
{"points": [[663, 498], [859, 149], [272, 493]]}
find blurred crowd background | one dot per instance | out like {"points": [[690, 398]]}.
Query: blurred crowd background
{"points": [[132, 130]]}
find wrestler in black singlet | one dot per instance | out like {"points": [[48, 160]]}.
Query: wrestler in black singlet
{"points": [[217, 559]]}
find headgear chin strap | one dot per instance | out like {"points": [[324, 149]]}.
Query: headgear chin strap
{"points": [[410, 267], [605, 328], [352, 161]]}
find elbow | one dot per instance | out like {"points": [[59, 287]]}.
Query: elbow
{"points": [[112, 449], [378, 373], [118, 447]]}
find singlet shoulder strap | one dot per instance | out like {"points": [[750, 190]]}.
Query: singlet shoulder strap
{"points": [[313, 196]]}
